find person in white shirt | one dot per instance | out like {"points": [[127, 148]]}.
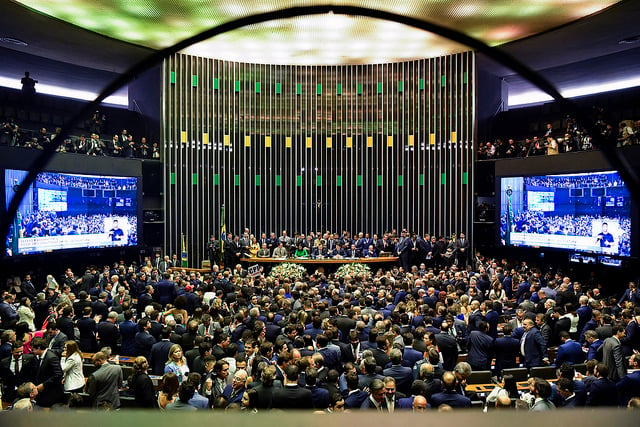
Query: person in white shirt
{"points": [[71, 364]]}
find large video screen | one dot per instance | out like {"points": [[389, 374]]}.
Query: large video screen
{"points": [[588, 212], [71, 211]]}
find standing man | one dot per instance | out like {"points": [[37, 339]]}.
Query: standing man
{"points": [[104, 384], [532, 346], [612, 355], [462, 247], [46, 374]]}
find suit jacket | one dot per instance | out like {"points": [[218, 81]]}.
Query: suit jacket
{"points": [[602, 393], [265, 395], [319, 397], [410, 355], [87, 328], [66, 326], [165, 292], [480, 346], [159, 356], [450, 398], [10, 380], [402, 375], [612, 357], [104, 384], [355, 399], [144, 343], [629, 387], [49, 374], [292, 397], [507, 350], [108, 333], [56, 344], [570, 352], [535, 348], [368, 403]]}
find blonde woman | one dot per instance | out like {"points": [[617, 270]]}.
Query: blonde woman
{"points": [[177, 363], [71, 365]]}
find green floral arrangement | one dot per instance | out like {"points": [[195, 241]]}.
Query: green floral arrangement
{"points": [[288, 270], [356, 270]]}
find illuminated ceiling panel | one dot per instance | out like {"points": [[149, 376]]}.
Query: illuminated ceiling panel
{"points": [[321, 39]]}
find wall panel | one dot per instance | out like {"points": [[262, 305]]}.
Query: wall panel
{"points": [[308, 148]]}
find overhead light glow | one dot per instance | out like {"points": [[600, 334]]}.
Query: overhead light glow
{"points": [[83, 95], [537, 96]]}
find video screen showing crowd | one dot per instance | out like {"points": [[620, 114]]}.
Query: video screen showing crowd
{"points": [[580, 212], [67, 211]]}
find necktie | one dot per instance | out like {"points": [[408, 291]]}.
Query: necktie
{"points": [[16, 366]]}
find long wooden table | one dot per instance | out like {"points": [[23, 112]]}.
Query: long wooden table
{"points": [[376, 260]]}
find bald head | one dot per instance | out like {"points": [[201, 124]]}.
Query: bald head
{"points": [[419, 403]]}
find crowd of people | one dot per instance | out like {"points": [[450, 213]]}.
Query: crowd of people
{"points": [[120, 145], [389, 341], [410, 248], [536, 222], [86, 182], [592, 180], [569, 139]]}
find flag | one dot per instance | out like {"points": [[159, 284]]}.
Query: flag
{"points": [[184, 254], [223, 229], [507, 236]]}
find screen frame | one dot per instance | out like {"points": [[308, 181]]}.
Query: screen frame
{"points": [[15, 158], [511, 169]]}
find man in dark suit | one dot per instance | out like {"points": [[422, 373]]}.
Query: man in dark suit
{"points": [[319, 395], [462, 248], [507, 349], [354, 396], [410, 355], [629, 386], [448, 395], [8, 314], [165, 291], [14, 370], [376, 400], [160, 352], [65, 323], [603, 391], [401, 374], [146, 298], [28, 289], [569, 351], [108, 332], [532, 346], [475, 317], [99, 307], [144, 340], [448, 346], [480, 348], [292, 396], [56, 339], [46, 374]]}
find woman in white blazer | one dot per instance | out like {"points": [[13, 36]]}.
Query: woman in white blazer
{"points": [[71, 364]]}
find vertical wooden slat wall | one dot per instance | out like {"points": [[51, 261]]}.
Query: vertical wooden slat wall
{"points": [[366, 148]]}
